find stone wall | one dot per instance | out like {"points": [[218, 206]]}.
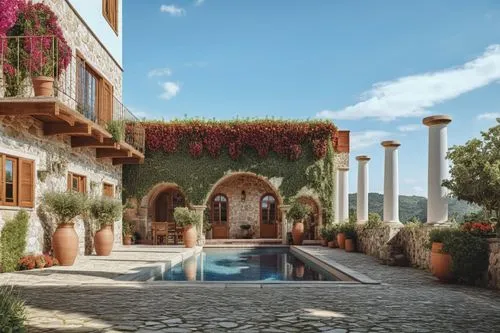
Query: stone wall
{"points": [[81, 39], [54, 158], [412, 240], [494, 268]]}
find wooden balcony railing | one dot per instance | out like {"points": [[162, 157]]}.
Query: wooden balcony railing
{"points": [[78, 86]]}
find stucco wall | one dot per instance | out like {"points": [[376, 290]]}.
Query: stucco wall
{"points": [[54, 158]]}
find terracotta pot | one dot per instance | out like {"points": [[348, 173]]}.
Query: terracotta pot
{"points": [[190, 266], [324, 242], [298, 233], [65, 244], [332, 244], [341, 240], [103, 241], [441, 263], [43, 85], [189, 236], [127, 240], [350, 245]]}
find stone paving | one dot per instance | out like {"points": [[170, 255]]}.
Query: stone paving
{"points": [[408, 300]]}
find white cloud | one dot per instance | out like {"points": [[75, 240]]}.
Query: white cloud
{"points": [[173, 10], [410, 96], [199, 2], [360, 140], [489, 116], [170, 90], [160, 72], [410, 128]]}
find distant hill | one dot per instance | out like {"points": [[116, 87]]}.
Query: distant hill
{"points": [[414, 206]]}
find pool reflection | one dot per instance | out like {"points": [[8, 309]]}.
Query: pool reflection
{"points": [[259, 264]]}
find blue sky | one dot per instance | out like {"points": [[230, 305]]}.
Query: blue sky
{"points": [[375, 68]]}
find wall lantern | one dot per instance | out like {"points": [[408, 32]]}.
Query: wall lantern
{"points": [[243, 195]]}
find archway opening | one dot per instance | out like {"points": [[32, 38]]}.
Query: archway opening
{"points": [[164, 229], [244, 205], [313, 222]]}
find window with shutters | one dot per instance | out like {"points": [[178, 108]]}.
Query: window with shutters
{"points": [[94, 94], [108, 190], [110, 12], [17, 181], [77, 183]]}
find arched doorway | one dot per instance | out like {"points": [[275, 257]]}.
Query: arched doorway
{"points": [[313, 222], [244, 205], [164, 227]]}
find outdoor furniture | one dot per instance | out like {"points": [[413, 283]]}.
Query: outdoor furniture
{"points": [[160, 232]]}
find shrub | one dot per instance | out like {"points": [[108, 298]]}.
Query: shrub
{"points": [[117, 129], [40, 261], [105, 211], [323, 231], [185, 217], [480, 229], [12, 314], [65, 205], [298, 212], [349, 231], [13, 241], [127, 227], [26, 263], [374, 221]]}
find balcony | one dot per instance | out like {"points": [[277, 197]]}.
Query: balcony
{"points": [[81, 104]]}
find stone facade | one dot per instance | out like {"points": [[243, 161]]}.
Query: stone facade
{"points": [[54, 158], [412, 241], [244, 211], [81, 40]]}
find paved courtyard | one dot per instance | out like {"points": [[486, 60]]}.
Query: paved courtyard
{"points": [[408, 300]]}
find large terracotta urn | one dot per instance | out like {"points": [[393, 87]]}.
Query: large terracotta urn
{"points": [[103, 241], [298, 233], [441, 263], [341, 240], [189, 236], [43, 86], [350, 245], [65, 244]]}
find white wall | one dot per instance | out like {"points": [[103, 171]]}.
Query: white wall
{"points": [[91, 12]]}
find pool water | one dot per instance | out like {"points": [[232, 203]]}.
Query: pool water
{"points": [[251, 264]]}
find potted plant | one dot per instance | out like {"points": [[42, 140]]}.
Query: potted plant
{"points": [[44, 53], [189, 219], [332, 235], [324, 235], [441, 262], [341, 235], [297, 214], [105, 212], [65, 206], [127, 231], [350, 237]]}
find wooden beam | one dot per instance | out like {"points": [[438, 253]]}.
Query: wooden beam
{"points": [[91, 142], [26, 109], [63, 128], [127, 160], [65, 117], [107, 152]]}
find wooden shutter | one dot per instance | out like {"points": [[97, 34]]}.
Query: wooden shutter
{"points": [[26, 194], [106, 105]]}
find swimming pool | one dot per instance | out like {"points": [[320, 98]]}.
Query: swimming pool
{"points": [[247, 264]]}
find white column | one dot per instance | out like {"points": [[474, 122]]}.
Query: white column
{"points": [[343, 194], [362, 195], [437, 200], [391, 183]]}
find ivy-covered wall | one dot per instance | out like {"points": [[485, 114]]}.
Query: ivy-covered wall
{"points": [[197, 175]]}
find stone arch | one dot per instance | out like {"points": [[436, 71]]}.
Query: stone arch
{"points": [[317, 210], [244, 191]]}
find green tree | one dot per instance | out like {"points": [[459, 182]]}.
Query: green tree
{"points": [[475, 171]]}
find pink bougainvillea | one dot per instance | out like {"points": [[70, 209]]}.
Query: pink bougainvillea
{"points": [[8, 15]]}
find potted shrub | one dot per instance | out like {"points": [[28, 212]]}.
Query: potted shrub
{"points": [[105, 212], [189, 219], [246, 229], [341, 235], [297, 214], [350, 237], [332, 236], [127, 231], [44, 53], [440, 261], [65, 207], [324, 235]]}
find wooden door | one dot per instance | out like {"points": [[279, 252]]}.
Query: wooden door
{"points": [[268, 217], [220, 214]]}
